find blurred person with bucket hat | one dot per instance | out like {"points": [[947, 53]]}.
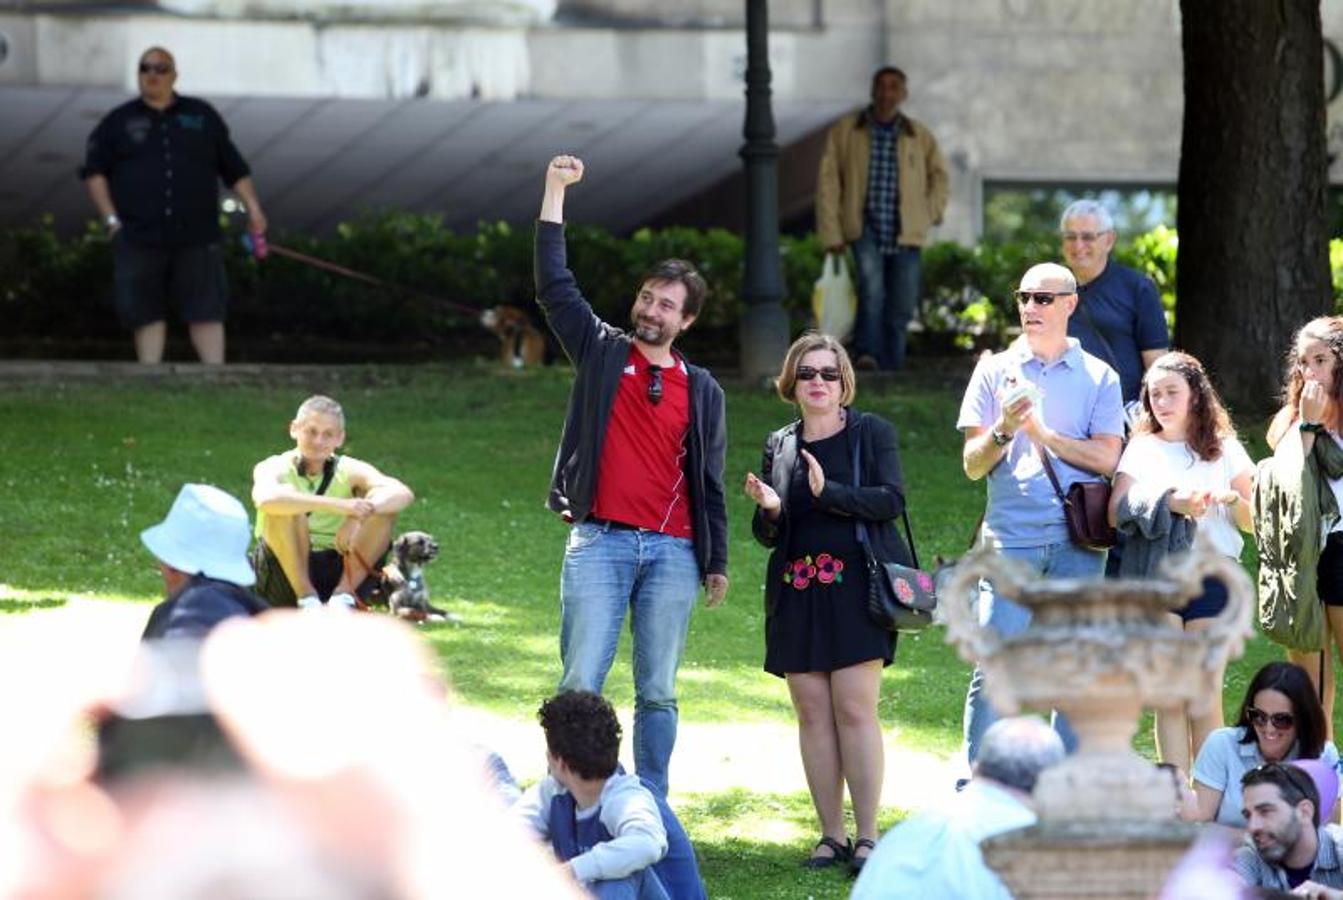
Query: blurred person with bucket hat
{"points": [[201, 548]]}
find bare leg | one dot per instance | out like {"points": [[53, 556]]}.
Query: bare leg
{"points": [[1201, 726], [1172, 726], [368, 543], [1335, 620], [208, 339], [1311, 663], [287, 537], [820, 750], [854, 693], [149, 340]]}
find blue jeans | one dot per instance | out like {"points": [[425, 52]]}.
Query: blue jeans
{"points": [[641, 885], [1061, 560], [606, 571], [888, 291]]}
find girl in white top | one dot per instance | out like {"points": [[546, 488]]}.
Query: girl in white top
{"points": [[1184, 443]]}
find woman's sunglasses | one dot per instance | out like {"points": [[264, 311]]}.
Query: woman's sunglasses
{"points": [[1258, 718], [807, 373]]}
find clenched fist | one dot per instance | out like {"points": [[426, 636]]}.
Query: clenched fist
{"points": [[564, 171]]}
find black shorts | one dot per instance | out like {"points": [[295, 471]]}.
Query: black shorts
{"points": [[324, 570], [149, 277], [1329, 573], [1207, 605]]}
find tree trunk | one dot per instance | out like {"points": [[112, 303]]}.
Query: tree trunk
{"points": [[1254, 246]]}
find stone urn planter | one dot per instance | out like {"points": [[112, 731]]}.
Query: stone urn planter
{"points": [[1099, 651]]}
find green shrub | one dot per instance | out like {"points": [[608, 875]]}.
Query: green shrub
{"points": [[54, 286]]}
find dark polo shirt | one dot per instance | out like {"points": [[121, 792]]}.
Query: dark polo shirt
{"points": [[164, 168]]}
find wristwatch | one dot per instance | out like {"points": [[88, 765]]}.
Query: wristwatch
{"points": [[1000, 438], [1312, 427]]}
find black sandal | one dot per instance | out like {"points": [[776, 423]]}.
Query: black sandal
{"points": [[856, 862], [843, 853]]}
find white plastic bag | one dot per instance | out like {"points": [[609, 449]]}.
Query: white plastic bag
{"points": [[834, 302]]}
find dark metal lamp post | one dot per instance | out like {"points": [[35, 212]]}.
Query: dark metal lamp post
{"points": [[764, 328]]}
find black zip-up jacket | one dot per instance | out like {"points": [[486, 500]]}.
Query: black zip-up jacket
{"points": [[600, 353], [880, 499]]}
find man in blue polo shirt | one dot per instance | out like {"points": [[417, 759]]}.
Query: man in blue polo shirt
{"points": [[152, 169], [1119, 317], [1042, 396]]}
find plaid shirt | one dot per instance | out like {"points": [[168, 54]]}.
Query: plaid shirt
{"points": [[883, 184]]}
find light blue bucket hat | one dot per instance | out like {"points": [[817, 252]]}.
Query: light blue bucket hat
{"points": [[206, 533]]}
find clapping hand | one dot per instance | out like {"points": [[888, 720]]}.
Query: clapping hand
{"points": [[764, 496], [815, 474]]}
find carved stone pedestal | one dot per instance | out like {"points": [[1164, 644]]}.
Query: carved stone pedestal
{"points": [[1093, 860]]}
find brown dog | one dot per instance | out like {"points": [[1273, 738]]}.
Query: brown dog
{"points": [[521, 343]]}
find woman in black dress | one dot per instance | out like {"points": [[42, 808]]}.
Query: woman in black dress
{"points": [[817, 632]]}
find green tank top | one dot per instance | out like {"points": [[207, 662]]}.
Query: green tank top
{"points": [[322, 525]]}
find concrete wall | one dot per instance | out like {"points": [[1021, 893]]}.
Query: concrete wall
{"points": [[1054, 91]]}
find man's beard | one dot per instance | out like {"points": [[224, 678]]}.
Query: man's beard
{"points": [[651, 333], [1283, 840]]}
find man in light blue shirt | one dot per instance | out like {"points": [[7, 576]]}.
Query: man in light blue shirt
{"points": [[936, 854], [1043, 395]]}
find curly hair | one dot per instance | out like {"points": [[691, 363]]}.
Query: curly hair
{"points": [[1328, 329], [582, 729], [1207, 424]]}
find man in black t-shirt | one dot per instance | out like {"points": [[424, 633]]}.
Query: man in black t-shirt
{"points": [[152, 169]]}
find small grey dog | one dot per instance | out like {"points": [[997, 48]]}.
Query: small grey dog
{"points": [[403, 579]]}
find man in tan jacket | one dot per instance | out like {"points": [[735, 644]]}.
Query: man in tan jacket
{"points": [[883, 183]]}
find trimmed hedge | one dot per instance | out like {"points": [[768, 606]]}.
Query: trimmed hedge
{"points": [[54, 286]]}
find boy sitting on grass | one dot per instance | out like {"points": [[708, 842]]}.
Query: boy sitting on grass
{"points": [[619, 838], [324, 521]]}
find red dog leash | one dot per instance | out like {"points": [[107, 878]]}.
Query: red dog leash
{"points": [[260, 248]]}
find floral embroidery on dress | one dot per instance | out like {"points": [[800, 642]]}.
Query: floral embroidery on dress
{"points": [[825, 569], [828, 568]]}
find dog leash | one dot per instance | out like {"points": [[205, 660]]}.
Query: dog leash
{"points": [[260, 248]]}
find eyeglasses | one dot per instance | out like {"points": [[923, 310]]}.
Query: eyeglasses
{"points": [[1083, 237], [156, 68], [1040, 298], [654, 384], [807, 373], [1258, 718]]}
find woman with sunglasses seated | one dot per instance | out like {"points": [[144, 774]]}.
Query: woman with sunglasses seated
{"points": [[1281, 719], [817, 632]]}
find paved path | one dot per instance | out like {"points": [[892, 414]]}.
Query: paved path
{"points": [[710, 757]]}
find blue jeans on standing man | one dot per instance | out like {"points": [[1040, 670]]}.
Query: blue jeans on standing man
{"points": [[888, 292], [1061, 560], [607, 570]]}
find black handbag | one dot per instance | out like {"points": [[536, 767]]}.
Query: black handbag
{"points": [[899, 598]]}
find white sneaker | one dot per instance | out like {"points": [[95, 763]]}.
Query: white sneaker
{"points": [[343, 602], [309, 602]]}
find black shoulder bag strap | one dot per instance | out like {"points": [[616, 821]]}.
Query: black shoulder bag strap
{"points": [[1049, 470], [860, 525]]}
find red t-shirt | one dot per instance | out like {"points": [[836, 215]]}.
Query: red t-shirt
{"points": [[641, 477]]}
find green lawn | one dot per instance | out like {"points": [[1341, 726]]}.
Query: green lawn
{"points": [[86, 466]]}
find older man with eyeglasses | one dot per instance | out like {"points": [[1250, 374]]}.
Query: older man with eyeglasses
{"points": [[1042, 404], [152, 169], [638, 476], [1119, 317]]}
